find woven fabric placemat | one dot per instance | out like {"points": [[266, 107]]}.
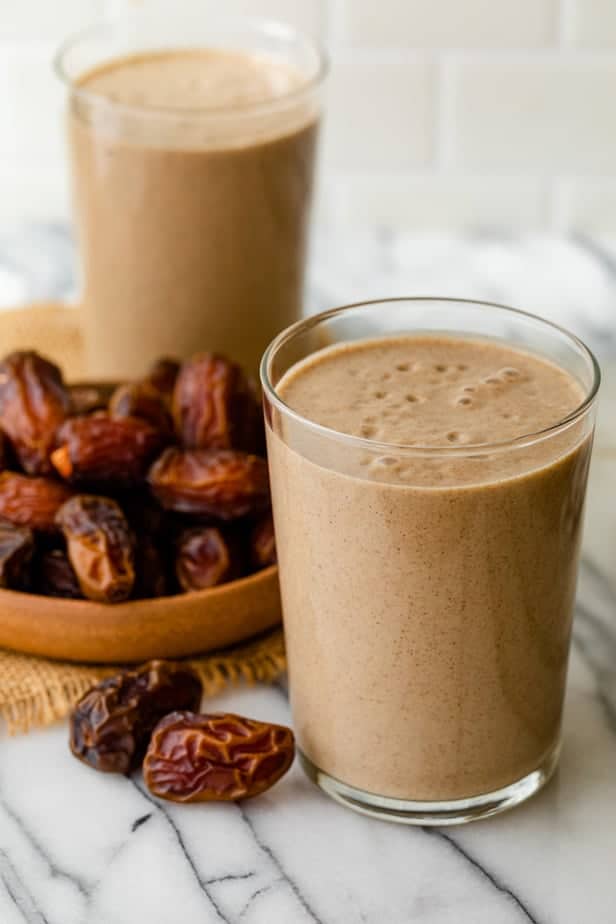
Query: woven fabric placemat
{"points": [[35, 692]]}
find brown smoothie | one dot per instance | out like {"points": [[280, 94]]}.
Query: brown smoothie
{"points": [[428, 595], [192, 180]]}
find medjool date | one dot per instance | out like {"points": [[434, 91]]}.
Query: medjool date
{"points": [[214, 405], [204, 558], [215, 758], [31, 502], [222, 483], [33, 403], [140, 400], [100, 547], [100, 449], [110, 726]]}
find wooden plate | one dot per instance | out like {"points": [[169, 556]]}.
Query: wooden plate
{"points": [[168, 627], [80, 630]]}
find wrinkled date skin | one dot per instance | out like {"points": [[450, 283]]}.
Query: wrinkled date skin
{"points": [[56, 576], [263, 543], [204, 559], [215, 758], [33, 403], [111, 725], [98, 448], [223, 484], [16, 550], [214, 406], [32, 502], [138, 399], [100, 547], [178, 452]]}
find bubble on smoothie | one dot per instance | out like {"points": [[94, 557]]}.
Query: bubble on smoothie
{"points": [[367, 430], [411, 398], [464, 401], [454, 437], [469, 388], [403, 367], [379, 395], [462, 367], [493, 380], [510, 373], [384, 464], [440, 367]]}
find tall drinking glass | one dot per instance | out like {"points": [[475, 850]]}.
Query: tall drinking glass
{"points": [[192, 143], [428, 540]]}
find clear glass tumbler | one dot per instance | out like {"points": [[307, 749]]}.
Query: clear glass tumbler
{"points": [[428, 593], [192, 222]]}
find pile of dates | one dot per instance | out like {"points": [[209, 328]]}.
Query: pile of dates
{"points": [[149, 717], [146, 489]]}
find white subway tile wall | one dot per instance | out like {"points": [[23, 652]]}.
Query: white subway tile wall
{"points": [[592, 24], [366, 127], [447, 23], [442, 113]]}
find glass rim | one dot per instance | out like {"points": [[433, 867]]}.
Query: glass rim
{"points": [[366, 444], [268, 27]]}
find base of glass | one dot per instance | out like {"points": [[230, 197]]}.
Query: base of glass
{"points": [[453, 812]]}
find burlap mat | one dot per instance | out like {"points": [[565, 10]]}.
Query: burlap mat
{"points": [[35, 692]]}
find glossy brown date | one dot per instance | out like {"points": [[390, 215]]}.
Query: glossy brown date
{"points": [[214, 406], [100, 547], [98, 448], [33, 403], [140, 400], [223, 484], [31, 502], [204, 559], [111, 725], [215, 758], [16, 549]]}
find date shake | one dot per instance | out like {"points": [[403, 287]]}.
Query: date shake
{"points": [[428, 565], [192, 175]]}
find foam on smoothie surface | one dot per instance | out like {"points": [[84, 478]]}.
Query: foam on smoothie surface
{"points": [[430, 391], [192, 79]]}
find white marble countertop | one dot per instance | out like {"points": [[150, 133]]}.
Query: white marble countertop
{"points": [[80, 848]]}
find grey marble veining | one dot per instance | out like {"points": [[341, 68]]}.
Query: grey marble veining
{"points": [[571, 280], [80, 848]]}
